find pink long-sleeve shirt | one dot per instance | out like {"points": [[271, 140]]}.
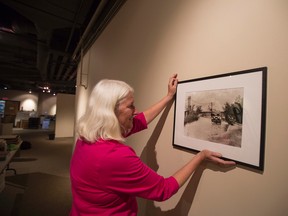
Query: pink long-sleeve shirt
{"points": [[107, 176]]}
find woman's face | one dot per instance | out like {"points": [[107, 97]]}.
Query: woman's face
{"points": [[126, 111]]}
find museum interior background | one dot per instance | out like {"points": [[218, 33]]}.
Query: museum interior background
{"points": [[147, 41], [24, 110]]}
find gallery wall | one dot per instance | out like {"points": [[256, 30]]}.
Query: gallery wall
{"points": [[65, 117], [62, 105], [148, 41], [44, 104], [47, 104], [28, 102]]}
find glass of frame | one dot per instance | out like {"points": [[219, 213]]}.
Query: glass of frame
{"points": [[224, 113]]}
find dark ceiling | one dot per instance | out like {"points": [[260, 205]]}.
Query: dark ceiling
{"points": [[41, 40]]}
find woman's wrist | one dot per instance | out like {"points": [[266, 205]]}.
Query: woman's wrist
{"points": [[170, 96], [203, 155]]}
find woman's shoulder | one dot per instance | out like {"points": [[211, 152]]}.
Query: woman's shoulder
{"points": [[118, 156], [121, 148]]}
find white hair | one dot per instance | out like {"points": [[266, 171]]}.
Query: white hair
{"points": [[100, 120]]}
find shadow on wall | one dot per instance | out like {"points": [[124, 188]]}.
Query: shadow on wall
{"points": [[147, 207], [184, 204]]}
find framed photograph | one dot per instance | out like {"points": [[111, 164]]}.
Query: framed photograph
{"points": [[224, 113]]}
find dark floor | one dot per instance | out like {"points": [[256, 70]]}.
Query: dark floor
{"points": [[41, 185]]}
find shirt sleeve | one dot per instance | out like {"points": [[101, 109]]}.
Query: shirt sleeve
{"points": [[139, 124], [129, 175]]}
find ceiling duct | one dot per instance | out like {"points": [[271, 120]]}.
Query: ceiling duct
{"points": [[41, 41], [102, 16]]}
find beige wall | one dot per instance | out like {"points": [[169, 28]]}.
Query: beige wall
{"points": [[149, 40], [28, 102], [65, 117], [47, 104], [44, 104]]}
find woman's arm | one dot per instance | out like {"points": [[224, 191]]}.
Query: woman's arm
{"points": [[186, 171], [154, 110]]}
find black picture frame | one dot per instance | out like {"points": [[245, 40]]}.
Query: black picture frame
{"points": [[225, 113]]}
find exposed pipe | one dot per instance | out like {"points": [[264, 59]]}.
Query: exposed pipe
{"points": [[59, 73], [92, 37], [89, 27], [74, 25], [81, 71], [29, 6]]}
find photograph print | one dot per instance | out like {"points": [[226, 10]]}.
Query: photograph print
{"points": [[215, 116], [224, 113]]}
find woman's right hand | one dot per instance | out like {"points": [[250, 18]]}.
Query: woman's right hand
{"points": [[187, 170], [215, 158]]}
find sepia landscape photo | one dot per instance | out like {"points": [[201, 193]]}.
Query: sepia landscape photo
{"points": [[215, 116]]}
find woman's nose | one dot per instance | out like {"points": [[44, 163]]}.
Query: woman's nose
{"points": [[135, 111]]}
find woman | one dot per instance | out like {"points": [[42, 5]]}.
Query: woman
{"points": [[107, 175]]}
